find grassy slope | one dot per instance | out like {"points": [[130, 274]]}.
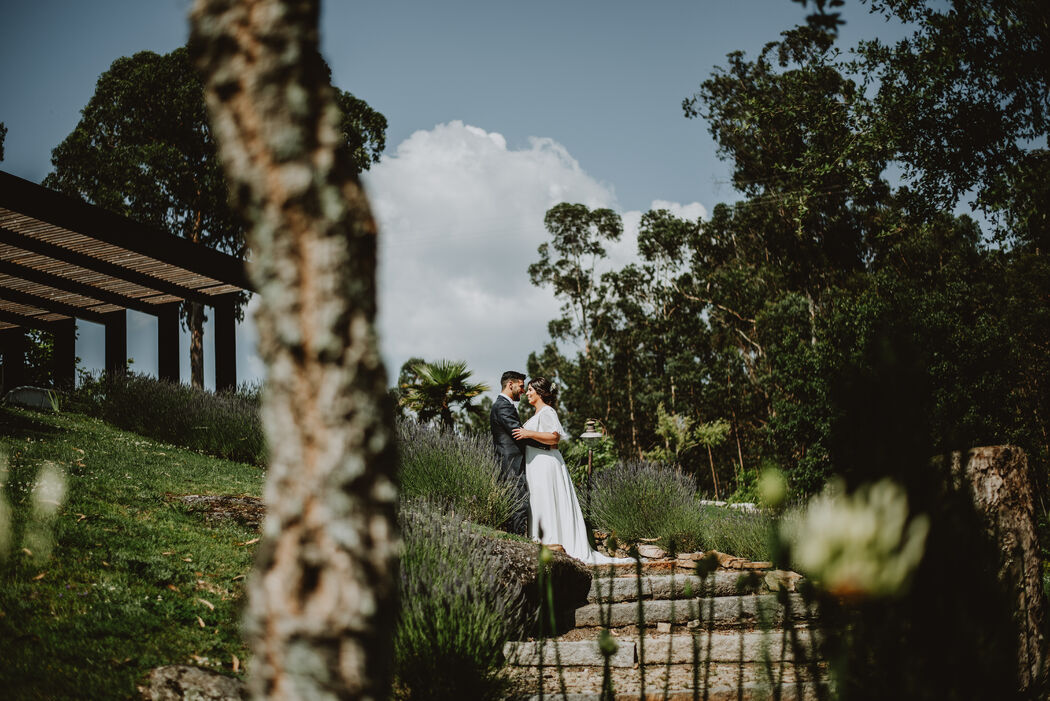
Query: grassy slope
{"points": [[123, 590]]}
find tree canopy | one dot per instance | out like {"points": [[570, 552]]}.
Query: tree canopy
{"points": [[832, 305], [144, 148]]}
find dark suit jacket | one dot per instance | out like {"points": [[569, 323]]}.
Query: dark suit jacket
{"points": [[503, 418]]}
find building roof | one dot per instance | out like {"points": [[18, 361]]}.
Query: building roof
{"points": [[61, 258]]}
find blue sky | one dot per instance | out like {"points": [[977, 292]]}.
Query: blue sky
{"points": [[496, 112]]}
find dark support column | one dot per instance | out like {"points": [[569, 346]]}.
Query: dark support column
{"points": [[117, 342], [225, 343], [13, 345], [64, 360], [168, 342]]}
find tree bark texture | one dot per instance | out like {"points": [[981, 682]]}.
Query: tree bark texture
{"points": [[196, 324], [1000, 483], [322, 598]]}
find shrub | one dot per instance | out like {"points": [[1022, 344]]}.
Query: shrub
{"points": [[223, 424], [641, 499], [735, 532], [456, 611], [575, 454], [459, 472]]}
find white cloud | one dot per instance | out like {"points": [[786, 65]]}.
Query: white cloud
{"points": [[461, 216], [689, 212]]}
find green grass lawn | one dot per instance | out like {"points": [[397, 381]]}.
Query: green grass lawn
{"points": [[134, 579]]}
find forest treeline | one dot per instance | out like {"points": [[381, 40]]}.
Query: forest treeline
{"points": [[844, 311]]}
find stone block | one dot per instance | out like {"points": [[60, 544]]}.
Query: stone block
{"points": [[652, 552], [183, 683], [32, 397], [727, 646], [582, 653], [723, 610]]}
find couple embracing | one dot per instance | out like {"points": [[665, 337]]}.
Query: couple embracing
{"points": [[530, 461]]}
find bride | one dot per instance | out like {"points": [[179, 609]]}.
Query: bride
{"points": [[554, 511]]}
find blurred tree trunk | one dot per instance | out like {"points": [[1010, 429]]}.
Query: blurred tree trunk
{"points": [[322, 598]]}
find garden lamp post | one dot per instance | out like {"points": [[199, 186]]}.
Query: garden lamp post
{"points": [[590, 434]]}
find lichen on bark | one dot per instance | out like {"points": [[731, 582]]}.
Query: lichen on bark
{"points": [[322, 596]]}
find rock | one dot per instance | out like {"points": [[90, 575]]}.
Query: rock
{"points": [[724, 559], [782, 579], [731, 562], [652, 552], [721, 610], [185, 683], [568, 654], [663, 627], [518, 565], [620, 589], [32, 397], [698, 562], [728, 646]]}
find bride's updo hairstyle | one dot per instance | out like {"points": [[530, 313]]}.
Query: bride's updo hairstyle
{"points": [[546, 389]]}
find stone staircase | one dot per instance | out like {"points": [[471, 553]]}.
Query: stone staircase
{"points": [[730, 634]]}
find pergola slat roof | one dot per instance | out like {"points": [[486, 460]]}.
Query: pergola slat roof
{"points": [[62, 258]]}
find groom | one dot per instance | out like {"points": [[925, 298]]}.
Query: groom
{"points": [[503, 418]]}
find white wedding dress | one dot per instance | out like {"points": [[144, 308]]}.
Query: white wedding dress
{"points": [[554, 509]]}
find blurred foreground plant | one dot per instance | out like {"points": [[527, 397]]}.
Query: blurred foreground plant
{"points": [[47, 496], [859, 544]]}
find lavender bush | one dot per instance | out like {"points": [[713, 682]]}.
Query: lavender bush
{"points": [[641, 499], [224, 424], [456, 611], [459, 472]]}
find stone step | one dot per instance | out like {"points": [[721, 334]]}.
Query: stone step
{"points": [[684, 586], [723, 610], [716, 646], [714, 682], [746, 692]]}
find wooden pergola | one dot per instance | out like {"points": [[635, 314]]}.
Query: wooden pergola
{"points": [[62, 259]]}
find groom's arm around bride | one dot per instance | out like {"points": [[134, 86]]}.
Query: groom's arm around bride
{"points": [[503, 420]]}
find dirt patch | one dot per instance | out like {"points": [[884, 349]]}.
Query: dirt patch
{"points": [[217, 508]]}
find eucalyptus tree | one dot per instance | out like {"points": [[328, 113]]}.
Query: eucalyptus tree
{"points": [[801, 137], [964, 97], [144, 148], [568, 264]]}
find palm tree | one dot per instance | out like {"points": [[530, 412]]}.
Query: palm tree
{"points": [[436, 388]]}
